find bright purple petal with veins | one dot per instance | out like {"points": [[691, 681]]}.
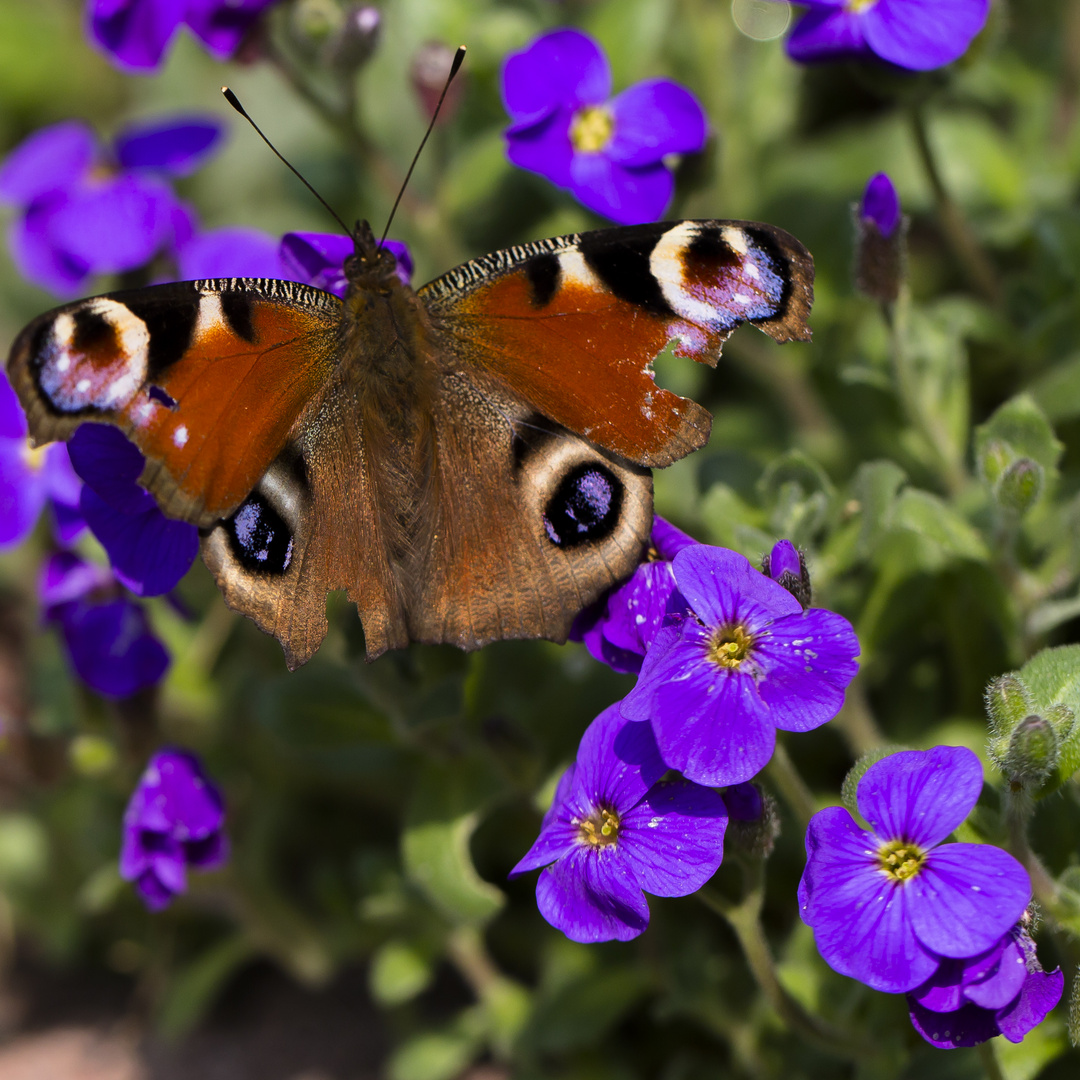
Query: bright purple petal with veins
{"points": [[967, 1026], [317, 259], [921, 795], [1040, 993], [723, 587], [117, 225], [231, 252], [222, 26], [52, 159], [12, 418], [178, 147], [558, 833], [652, 119], [22, 494], [627, 196], [112, 647], [668, 539], [149, 552], [860, 918], [544, 147], [135, 33], [111, 465], [674, 837], [809, 660], [636, 609], [617, 762], [995, 980], [592, 896], [966, 897], [823, 34], [588, 628], [36, 254], [563, 68], [923, 34]]}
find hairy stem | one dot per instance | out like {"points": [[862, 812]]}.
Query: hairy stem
{"points": [[782, 772]]}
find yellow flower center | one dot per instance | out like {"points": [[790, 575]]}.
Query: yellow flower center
{"points": [[591, 129], [900, 860], [859, 6], [600, 828], [729, 646]]}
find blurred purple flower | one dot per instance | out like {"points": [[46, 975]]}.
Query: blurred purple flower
{"points": [[881, 204], [149, 552], [107, 636], [888, 906], [786, 565], [619, 628], [30, 479], [135, 34], [82, 214], [609, 154], [230, 252], [915, 34], [319, 259], [174, 820], [747, 660], [1003, 991], [614, 832]]}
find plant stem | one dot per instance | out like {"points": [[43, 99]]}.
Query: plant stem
{"points": [[958, 232], [989, 1061], [856, 722], [782, 772], [744, 919]]}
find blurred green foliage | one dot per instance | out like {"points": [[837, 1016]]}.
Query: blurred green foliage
{"points": [[375, 811]]}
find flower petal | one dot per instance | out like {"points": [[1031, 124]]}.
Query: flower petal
{"points": [[652, 119], [1040, 993], [12, 418], [544, 147], [52, 159], [222, 26], [317, 259], [966, 897], [668, 539], [38, 258], [562, 68], [135, 33], [110, 465], [627, 196], [674, 837], [809, 659], [636, 609], [920, 795], [22, 493], [824, 34], [592, 896], [967, 1026], [65, 576], [617, 762], [231, 252], [861, 919], [177, 147], [996, 981], [923, 34], [558, 833]]}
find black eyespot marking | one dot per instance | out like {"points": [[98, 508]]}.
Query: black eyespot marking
{"points": [[169, 325], [92, 331], [585, 507], [624, 268], [236, 307], [155, 393], [543, 272], [260, 538]]}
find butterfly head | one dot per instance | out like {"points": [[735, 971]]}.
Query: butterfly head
{"points": [[370, 266]]}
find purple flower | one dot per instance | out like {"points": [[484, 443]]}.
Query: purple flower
{"points": [[787, 566], [881, 204], [83, 214], [319, 259], [174, 820], [887, 906], [609, 154], [619, 628], [1002, 991], [107, 636], [230, 252], [134, 34], [746, 661], [149, 552], [30, 479], [916, 34], [614, 833]]}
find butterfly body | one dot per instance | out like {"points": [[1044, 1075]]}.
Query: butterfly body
{"points": [[468, 462]]}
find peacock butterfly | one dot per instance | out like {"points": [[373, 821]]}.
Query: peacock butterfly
{"points": [[469, 461]]}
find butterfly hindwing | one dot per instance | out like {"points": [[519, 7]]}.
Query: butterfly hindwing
{"points": [[207, 378], [573, 324]]}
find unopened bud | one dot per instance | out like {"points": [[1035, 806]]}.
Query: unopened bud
{"points": [[996, 456], [429, 69], [355, 41], [881, 240], [1032, 753], [312, 22], [1020, 485], [753, 821], [787, 567], [1008, 701]]}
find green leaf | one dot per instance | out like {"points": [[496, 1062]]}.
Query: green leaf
{"points": [[937, 522], [194, 990], [439, 1055], [876, 485], [399, 971], [1057, 391], [444, 812]]}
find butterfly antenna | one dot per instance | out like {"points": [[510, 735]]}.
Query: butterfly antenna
{"points": [[234, 101], [459, 57]]}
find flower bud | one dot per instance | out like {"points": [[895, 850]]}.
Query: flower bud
{"points": [[1032, 753], [1020, 485], [787, 567], [428, 71], [312, 21], [995, 458], [1008, 701], [881, 240], [356, 39], [753, 821]]}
